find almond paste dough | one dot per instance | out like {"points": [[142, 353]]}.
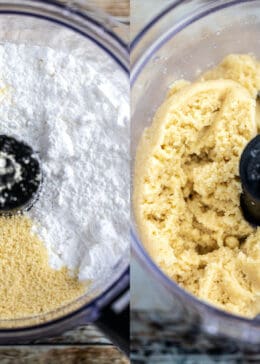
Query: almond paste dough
{"points": [[187, 188]]}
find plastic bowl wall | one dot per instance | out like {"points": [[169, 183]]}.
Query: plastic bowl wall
{"points": [[51, 24], [187, 37]]}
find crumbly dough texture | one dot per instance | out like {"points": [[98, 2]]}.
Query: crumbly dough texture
{"points": [[28, 285], [187, 188]]}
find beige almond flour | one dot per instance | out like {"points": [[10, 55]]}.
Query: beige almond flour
{"points": [[187, 188], [28, 285]]}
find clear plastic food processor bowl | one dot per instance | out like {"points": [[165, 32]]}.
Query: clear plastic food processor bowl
{"points": [[185, 38], [49, 23]]}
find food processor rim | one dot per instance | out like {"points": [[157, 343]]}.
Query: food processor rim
{"points": [[204, 8], [84, 16], [138, 249], [123, 276], [73, 11]]}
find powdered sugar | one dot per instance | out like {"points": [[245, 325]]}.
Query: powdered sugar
{"points": [[77, 120]]}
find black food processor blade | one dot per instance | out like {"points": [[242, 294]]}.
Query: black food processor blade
{"points": [[20, 176], [249, 171]]}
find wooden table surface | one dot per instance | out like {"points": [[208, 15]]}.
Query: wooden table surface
{"points": [[117, 8], [83, 345]]}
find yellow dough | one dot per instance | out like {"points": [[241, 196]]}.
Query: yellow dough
{"points": [[187, 188]]}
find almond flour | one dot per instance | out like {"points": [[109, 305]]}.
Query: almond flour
{"points": [[28, 285]]}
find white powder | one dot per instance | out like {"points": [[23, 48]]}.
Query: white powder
{"points": [[77, 121]]}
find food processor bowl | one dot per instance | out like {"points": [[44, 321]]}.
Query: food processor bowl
{"points": [[186, 38], [69, 28]]}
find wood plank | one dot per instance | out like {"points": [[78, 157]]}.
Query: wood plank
{"points": [[117, 8], [61, 355], [87, 334], [120, 8]]}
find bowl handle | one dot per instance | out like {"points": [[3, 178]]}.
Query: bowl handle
{"points": [[114, 321]]}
